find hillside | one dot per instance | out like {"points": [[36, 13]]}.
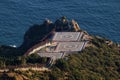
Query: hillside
{"points": [[100, 60], [97, 62]]}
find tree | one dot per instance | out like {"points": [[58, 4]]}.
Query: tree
{"points": [[62, 64], [23, 60]]}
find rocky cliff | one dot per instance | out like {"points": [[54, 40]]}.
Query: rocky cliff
{"points": [[35, 35], [8, 51], [39, 32]]}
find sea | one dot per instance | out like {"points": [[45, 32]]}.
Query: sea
{"points": [[97, 17]]}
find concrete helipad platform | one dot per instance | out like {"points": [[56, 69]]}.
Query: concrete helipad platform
{"points": [[63, 42], [52, 55], [67, 36], [69, 46]]}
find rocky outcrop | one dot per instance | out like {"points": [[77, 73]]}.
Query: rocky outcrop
{"points": [[38, 33], [63, 24], [8, 51], [35, 35], [75, 25]]}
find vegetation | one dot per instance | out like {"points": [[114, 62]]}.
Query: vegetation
{"points": [[98, 62], [21, 60], [34, 58], [9, 51], [94, 63]]}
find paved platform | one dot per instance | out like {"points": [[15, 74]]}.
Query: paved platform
{"points": [[69, 46], [67, 36], [63, 43], [51, 55]]}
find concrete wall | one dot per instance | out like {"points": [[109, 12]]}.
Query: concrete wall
{"points": [[40, 47], [32, 68]]}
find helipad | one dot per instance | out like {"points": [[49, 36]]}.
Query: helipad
{"points": [[67, 36], [63, 42], [69, 46]]}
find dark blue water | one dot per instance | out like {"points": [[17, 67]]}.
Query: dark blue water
{"points": [[98, 17]]}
